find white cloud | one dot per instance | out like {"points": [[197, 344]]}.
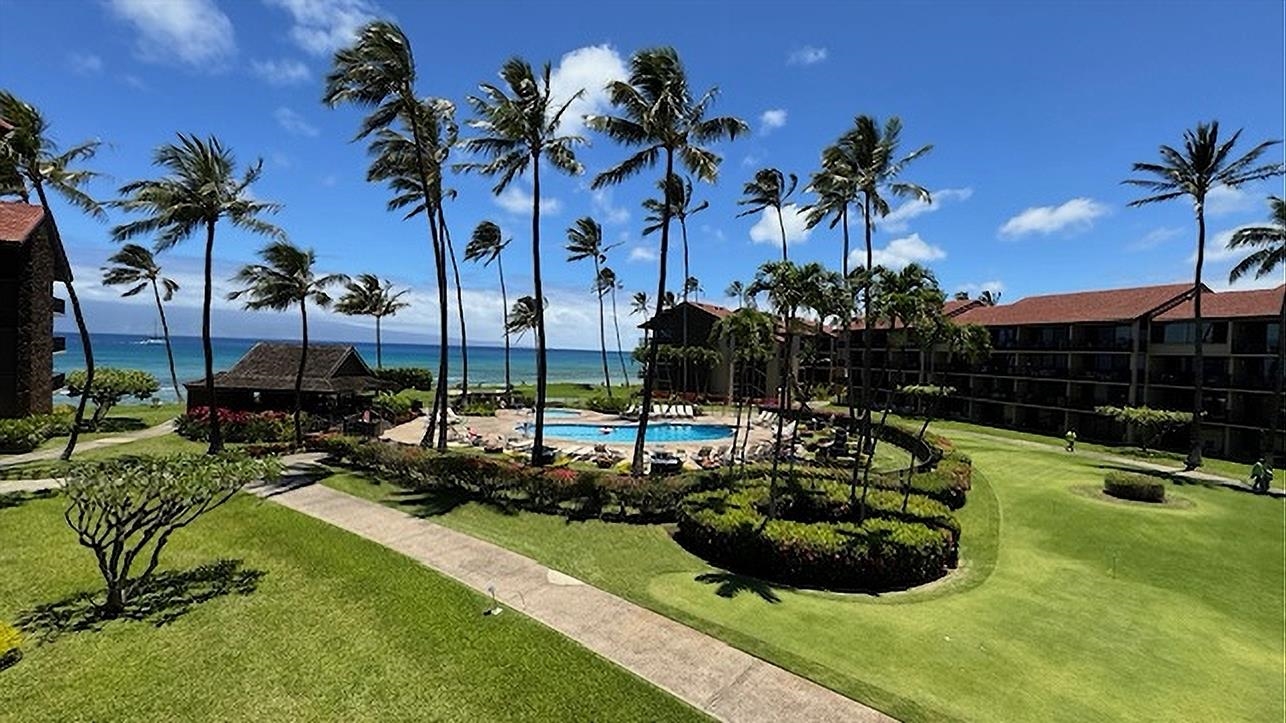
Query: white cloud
{"points": [[771, 120], [900, 217], [194, 32], [643, 253], [1077, 214], [323, 26], [767, 230], [85, 63], [589, 69], [280, 72], [294, 123], [899, 252], [134, 82], [716, 233], [1154, 238], [1217, 246], [750, 161], [973, 290], [518, 201], [607, 212], [1222, 200], [807, 55]]}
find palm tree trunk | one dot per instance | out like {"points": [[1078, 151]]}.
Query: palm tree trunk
{"points": [[866, 363], [538, 438], [620, 353], [649, 373], [444, 394], [207, 346], [169, 350], [602, 330], [379, 347], [299, 373], [687, 274], [783, 401], [1275, 420], [504, 300], [459, 302], [781, 224], [1198, 351]]}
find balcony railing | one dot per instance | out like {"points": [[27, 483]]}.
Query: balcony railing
{"points": [[60, 344]]}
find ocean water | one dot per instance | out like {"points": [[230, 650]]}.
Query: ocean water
{"points": [[486, 363]]}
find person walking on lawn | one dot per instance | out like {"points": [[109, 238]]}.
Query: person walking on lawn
{"points": [[1071, 440]]}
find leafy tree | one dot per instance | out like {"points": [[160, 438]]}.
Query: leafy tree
{"points": [[108, 387], [134, 266], [286, 279], [606, 283], [769, 189], [200, 187], [29, 156], [125, 510], [486, 245], [519, 129], [748, 335], [678, 189], [1204, 163], [585, 241], [1154, 423], [660, 117], [369, 296]]}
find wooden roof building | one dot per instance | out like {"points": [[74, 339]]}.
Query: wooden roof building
{"points": [[336, 379]]}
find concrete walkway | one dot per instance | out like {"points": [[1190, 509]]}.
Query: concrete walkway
{"points": [[53, 453], [720, 680]]}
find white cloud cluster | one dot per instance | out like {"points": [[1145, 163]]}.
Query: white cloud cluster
{"points": [[323, 26], [294, 124], [900, 217], [767, 230], [643, 253], [517, 201], [605, 210], [899, 253], [588, 69], [807, 55], [771, 120], [85, 63], [1222, 200], [194, 32], [1154, 238], [1077, 214], [280, 72]]}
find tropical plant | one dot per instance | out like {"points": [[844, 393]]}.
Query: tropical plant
{"points": [[1154, 423], [1205, 163], [200, 187], [522, 317], [486, 245], [606, 283], [989, 297], [108, 387], [679, 192], [134, 266], [769, 189], [660, 117], [29, 155], [737, 290], [960, 296], [285, 279], [585, 241], [748, 335], [519, 130], [412, 140], [641, 305], [369, 296]]}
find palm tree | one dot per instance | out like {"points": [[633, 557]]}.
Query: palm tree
{"points": [[960, 296], [519, 130], [679, 191], [748, 335], [585, 241], [1265, 261], [135, 266], [769, 189], [286, 279], [486, 245], [29, 156], [1204, 163], [378, 72], [989, 297], [692, 285], [641, 305], [736, 290], [369, 296], [607, 283], [523, 316], [660, 116], [200, 187]]}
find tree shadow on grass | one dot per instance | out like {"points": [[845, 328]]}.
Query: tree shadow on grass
{"points": [[430, 503], [731, 585], [168, 596], [114, 425], [17, 499]]}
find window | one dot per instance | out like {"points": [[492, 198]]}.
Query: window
{"points": [[1183, 332]]}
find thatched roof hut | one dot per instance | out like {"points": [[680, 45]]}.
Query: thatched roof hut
{"points": [[336, 379]]}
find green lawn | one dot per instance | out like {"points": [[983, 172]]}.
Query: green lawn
{"points": [[124, 418], [164, 444], [333, 628], [1068, 606]]}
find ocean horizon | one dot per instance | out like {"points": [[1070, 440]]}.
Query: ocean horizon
{"points": [[486, 363]]}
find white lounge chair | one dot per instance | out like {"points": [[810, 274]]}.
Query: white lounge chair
{"points": [[687, 412]]}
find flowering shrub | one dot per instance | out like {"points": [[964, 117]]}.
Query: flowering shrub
{"points": [[237, 426]]}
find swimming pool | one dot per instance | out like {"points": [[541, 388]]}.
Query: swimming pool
{"points": [[559, 412], [625, 433]]}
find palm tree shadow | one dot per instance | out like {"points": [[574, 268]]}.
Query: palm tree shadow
{"points": [[731, 585], [168, 596], [428, 503], [17, 499]]}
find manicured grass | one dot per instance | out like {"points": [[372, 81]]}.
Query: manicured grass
{"points": [[336, 628], [164, 444], [1067, 607], [123, 418]]}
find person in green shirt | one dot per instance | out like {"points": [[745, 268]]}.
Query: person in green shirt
{"points": [[1071, 440], [1261, 476]]}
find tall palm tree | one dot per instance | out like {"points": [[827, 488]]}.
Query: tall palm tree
{"points": [[135, 266], [523, 316], [607, 283], [519, 129], [1264, 261], [988, 297], [748, 335], [678, 189], [769, 189], [285, 279], [1204, 163], [585, 241], [960, 296], [736, 290], [29, 156], [486, 245], [369, 296], [641, 305], [413, 137], [200, 187], [660, 117]]}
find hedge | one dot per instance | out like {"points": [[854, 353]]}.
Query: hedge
{"points": [[1137, 487], [405, 378], [27, 433], [257, 427]]}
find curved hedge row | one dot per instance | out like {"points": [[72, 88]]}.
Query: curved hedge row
{"points": [[821, 546], [1137, 487]]}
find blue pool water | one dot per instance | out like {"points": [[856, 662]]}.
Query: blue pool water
{"points": [[625, 433], [564, 413]]}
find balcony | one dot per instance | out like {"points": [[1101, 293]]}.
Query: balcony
{"points": [[1111, 376], [60, 344], [59, 306]]}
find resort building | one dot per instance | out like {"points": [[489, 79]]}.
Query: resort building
{"points": [[28, 270], [336, 380]]}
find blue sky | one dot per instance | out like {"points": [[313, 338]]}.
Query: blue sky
{"points": [[1035, 111]]}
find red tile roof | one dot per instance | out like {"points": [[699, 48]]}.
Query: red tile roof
{"points": [[1084, 306], [1231, 305], [18, 221], [718, 311], [958, 306]]}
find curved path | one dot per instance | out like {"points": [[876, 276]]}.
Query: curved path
{"points": [[159, 430]]}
